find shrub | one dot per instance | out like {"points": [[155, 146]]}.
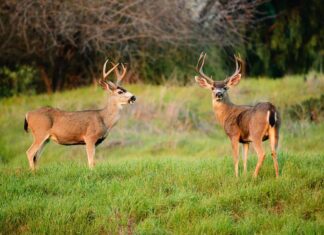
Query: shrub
{"points": [[311, 109], [20, 80]]}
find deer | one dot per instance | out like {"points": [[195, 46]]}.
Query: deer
{"points": [[87, 127], [245, 124]]}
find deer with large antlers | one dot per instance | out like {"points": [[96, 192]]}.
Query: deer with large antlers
{"points": [[88, 127], [242, 123]]}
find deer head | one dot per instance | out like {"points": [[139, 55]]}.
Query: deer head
{"points": [[114, 89], [218, 88]]}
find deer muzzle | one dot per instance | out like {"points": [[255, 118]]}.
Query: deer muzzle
{"points": [[219, 95], [132, 100]]}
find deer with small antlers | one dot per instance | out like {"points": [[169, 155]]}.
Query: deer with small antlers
{"points": [[242, 123], [88, 127]]}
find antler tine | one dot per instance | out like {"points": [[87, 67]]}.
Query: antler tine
{"points": [[104, 73], [239, 62], [200, 64], [238, 67], [120, 76], [124, 72]]}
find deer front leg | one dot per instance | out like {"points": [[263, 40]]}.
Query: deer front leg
{"points": [[235, 148], [90, 148], [245, 156], [34, 151]]}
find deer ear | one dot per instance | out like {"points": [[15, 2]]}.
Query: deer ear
{"points": [[233, 81], [103, 84], [202, 82]]}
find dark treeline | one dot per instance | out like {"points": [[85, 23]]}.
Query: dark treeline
{"points": [[46, 46], [290, 42]]}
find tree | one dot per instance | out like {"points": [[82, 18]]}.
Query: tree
{"points": [[66, 39], [289, 42]]}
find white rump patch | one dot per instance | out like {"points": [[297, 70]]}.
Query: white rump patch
{"points": [[268, 116]]}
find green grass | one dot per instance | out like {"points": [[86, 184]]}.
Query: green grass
{"points": [[166, 168]]}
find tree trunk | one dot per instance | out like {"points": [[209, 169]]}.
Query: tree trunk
{"points": [[58, 74], [46, 80]]}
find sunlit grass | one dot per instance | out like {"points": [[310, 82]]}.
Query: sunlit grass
{"points": [[166, 168]]}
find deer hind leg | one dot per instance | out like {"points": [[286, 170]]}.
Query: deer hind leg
{"points": [[274, 144], [90, 148], [34, 151], [261, 156], [235, 148], [245, 156]]}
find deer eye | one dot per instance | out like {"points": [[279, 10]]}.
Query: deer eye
{"points": [[225, 88], [120, 92]]}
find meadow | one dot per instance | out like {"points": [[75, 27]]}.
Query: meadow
{"points": [[166, 168]]}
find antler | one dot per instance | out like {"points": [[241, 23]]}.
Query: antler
{"points": [[117, 73], [104, 73], [200, 65], [238, 67]]}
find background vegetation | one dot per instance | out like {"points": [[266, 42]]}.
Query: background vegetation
{"points": [[290, 42], [52, 46], [166, 168]]}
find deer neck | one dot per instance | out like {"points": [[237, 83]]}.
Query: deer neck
{"points": [[111, 112], [223, 109]]}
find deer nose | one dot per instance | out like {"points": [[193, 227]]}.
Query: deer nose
{"points": [[133, 98], [219, 94]]}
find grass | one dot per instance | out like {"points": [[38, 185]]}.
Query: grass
{"points": [[166, 168]]}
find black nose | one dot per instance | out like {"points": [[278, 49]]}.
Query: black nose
{"points": [[133, 98], [219, 94]]}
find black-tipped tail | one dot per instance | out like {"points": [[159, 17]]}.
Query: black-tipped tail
{"points": [[26, 125], [272, 117]]}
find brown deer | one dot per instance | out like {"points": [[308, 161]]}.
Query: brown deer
{"points": [[88, 127], [242, 123]]}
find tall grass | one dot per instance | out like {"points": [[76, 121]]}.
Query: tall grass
{"points": [[166, 168]]}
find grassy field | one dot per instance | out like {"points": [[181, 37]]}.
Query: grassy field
{"points": [[166, 168]]}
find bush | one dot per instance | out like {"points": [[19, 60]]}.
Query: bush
{"points": [[20, 80], [311, 109]]}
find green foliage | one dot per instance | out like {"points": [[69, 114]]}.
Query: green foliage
{"points": [[286, 39], [290, 42], [177, 65], [17, 81], [311, 109]]}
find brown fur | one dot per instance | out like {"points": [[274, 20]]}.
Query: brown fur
{"points": [[89, 127], [243, 124]]}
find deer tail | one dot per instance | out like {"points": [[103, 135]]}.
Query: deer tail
{"points": [[26, 124], [273, 116], [274, 122]]}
